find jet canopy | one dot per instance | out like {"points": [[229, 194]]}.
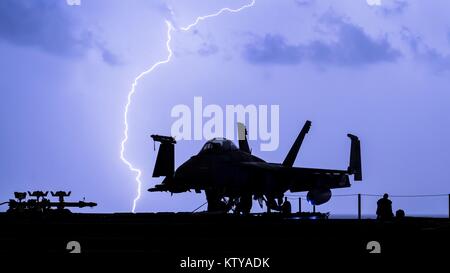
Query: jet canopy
{"points": [[218, 145]]}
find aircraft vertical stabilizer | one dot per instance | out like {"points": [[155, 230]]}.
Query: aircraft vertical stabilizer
{"points": [[292, 155], [242, 136], [355, 158], [165, 161]]}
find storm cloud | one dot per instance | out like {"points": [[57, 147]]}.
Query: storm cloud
{"points": [[394, 7], [352, 47], [424, 53], [49, 25]]}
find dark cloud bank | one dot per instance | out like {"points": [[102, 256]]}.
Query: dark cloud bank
{"points": [[48, 25], [353, 47]]}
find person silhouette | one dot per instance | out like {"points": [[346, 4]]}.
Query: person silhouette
{"points": [[286, 208], [384, 208]]}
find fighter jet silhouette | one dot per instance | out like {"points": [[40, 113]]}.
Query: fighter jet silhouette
{"points": [[231, 177]]}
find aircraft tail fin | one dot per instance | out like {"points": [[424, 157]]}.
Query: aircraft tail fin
{"points": [[165, 161], [292, 155], [355, 158], [242, 136]]}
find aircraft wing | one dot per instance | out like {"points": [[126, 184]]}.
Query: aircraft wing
{"points": [[298, 179], [291, 170], [286, 168]]}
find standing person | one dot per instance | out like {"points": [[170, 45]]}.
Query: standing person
{"points": [[384, 208]]}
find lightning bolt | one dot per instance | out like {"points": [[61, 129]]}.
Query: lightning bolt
{"points": [[127, 107], [201, 18], [170, 28]]}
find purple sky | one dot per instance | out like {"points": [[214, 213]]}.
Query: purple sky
{"points": [[380, 72]]}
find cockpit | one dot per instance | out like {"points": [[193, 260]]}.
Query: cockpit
{"points": [[218, 145]]}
